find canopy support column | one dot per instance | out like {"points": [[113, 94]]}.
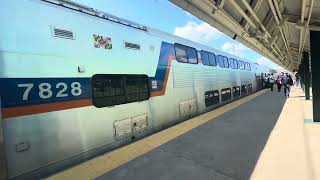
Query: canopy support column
{"points": [[315, 70]]}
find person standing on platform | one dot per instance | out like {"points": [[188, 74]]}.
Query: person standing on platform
{"points": [[297, 79], [279, 81], [287, 83], [271, 81]]}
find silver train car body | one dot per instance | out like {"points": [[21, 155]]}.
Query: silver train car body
{"points": [[76, 83]]}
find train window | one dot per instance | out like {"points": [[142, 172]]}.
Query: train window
{"points": [[241, 65], [249, 67], [192, 55], [243, 89], [205, 58], [225, 62], [211, 98], [235, 63], [115, 89], [212, 59], [250, 88], [220, 61], [136, 88], [236, 91], [225, 94], [230, 61], [181, 53]]}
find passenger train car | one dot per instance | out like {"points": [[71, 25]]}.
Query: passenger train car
{"points": [[77, 82]]}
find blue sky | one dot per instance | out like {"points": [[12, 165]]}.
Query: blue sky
{"points": [[164, 15]]}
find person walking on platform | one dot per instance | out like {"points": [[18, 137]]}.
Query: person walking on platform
{"points": [[297, 83], [271, 81], [287, 83], [279, 81], [266, 81]]}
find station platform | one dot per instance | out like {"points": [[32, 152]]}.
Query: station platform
{"points": [[262, 136]]}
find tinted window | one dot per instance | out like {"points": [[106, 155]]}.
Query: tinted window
{"points": [[181, 53], [225, 94], [243, 89], [136, 88], [205, 58], [236, 91], [248, 67], [192, 55], [211, 98], [226, 62], [236, 65], [241, 65], [113, 89], [220, 61], [230, 60], [250, 88], [212, 59]]}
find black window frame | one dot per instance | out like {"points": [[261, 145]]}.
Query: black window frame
{"points": [[186, 48], [123, 79]]}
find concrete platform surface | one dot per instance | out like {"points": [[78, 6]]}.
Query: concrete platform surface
{"points": [[293, 148], [226, 148]]}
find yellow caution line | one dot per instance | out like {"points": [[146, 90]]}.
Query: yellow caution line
{"points": [[109, 161]]}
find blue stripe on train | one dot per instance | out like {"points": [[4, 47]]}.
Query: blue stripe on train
{"points": [[12, 95], [166, 51]]}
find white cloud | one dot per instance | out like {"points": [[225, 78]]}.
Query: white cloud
{"points": [[197, 32], [234, 48]]}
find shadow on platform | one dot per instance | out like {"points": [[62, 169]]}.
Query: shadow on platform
{"points": [[225, 148]]}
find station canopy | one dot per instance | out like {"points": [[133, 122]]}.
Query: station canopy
{"points": [[277, 29]]}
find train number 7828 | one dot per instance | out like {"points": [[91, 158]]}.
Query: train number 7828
{"points": [[46, 90]]}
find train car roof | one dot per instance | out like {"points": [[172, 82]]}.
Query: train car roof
{"points": [[175, 39]]}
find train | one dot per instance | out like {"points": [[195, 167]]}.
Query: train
{"points": [[77, 82]]}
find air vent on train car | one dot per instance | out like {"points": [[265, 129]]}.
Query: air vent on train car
{"points": [[62, 33], [132, 46]]}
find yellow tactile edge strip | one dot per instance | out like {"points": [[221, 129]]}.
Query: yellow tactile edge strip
{"points": [[111, 160]]}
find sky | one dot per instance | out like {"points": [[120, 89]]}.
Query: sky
{"points": [[167, 17]]}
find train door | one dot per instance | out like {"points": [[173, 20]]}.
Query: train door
{"points": [[188, 108], [193, 107]]}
